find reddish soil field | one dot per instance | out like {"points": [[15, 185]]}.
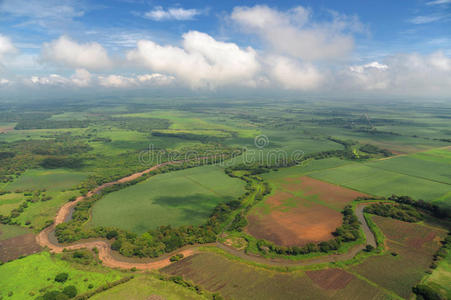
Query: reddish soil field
{"points": [[302, 210], [16, 247], [330, 279]]}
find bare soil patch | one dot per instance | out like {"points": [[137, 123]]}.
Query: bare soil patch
{"points": [[18, 246], [330, 279], [303, 210]]}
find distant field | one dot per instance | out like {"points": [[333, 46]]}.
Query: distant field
{"points": [[56, 182], [191, 121], [300, 210], [422, 165], [176, 198], [26, 277], [372, 179], [148, 288], [54, 179], [235, 280], [414, 245]]}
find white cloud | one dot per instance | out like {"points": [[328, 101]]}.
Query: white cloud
{"points": [[6, 46], [179, 14], [81, 78], [116, 81], [4, 81], [438, 2], [408, 74], [66, 52], [293, 32], [51, 14], [426, 19], [155, 79], [294, 75], [52, 79], [202, 62]]}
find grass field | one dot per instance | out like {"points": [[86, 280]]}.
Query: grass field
{"points": [[28, 276], [441, 277], [176, 198], [59, 184], [54, 179], [10, 231], [9, 202], [146, 287], [379, 182], [235, 280], [414, 246]]}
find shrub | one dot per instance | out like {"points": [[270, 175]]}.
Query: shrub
{"points": [[70, 291], [111, 234], [61, 277]]}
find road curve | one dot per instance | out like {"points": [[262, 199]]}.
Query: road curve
{"points": [[109, 260]]}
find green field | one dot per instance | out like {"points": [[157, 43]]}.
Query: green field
{"points": [[54, 179], [176, 198], [145, 287], [59, 186], [28, 276], [10, 231], [403, 176], [441, 277]]}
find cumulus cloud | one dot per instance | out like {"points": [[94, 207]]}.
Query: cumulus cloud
{"points": [[83, 78], [407, 74], [202, 62], [179, 14], [6, 46], [293, 75], [66, 52], [293, 32]]}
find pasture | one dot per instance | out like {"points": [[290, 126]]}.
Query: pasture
{"points": [[366, 178], [42, 268], [185, 197]]}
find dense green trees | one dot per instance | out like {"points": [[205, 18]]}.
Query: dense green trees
{"points": [[401, 212]]}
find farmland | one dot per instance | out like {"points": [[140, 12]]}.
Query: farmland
{"points": [[147, 286], [301, 210], [235, 280], [63, 153], [386, 177], [177, 198], [410, 249]]}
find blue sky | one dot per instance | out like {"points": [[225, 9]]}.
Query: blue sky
{"points": [[366, 47]]}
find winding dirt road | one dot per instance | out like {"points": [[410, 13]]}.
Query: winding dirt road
{"points": [[108, 259]]}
